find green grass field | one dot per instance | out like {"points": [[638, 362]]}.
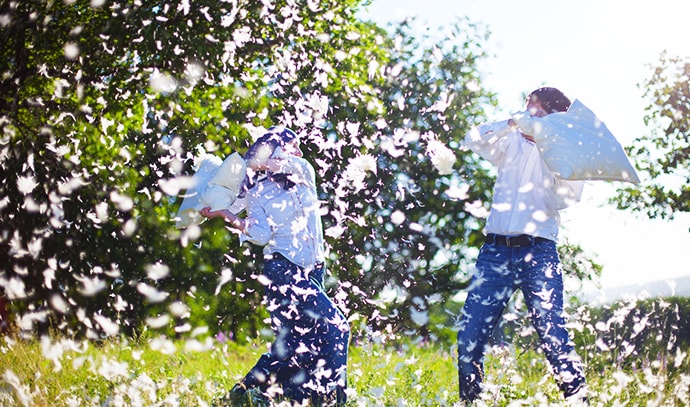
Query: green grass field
{"points": [[159, 372]]}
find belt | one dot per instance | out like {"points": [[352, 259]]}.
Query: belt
{"points": [[514, 241], [276, 255]]}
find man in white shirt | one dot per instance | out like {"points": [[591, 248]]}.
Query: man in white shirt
{"points": [[308, 359], [520, 250]]}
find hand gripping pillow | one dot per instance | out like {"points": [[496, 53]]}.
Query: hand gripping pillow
{"points": [[576, 145]]}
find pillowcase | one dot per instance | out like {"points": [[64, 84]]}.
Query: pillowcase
{"points": [[215, 184], [576, 145]]}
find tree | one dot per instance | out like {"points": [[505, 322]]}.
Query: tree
{"points": [[106, 104], [664, 154], [411, 234]]}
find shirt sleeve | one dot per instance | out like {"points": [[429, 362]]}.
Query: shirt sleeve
{"points": [[257, 227], [490, 140]]}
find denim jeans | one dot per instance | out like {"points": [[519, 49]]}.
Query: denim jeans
{"points": [[308, 358], [500, 270]]}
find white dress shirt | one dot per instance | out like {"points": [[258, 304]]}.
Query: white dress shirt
{"points": [[527, 196], [287, 221]]}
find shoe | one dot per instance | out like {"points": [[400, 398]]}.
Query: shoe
{"points": [[241, 396], [578, 398]]}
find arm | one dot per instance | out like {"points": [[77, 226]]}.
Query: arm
{"points": [[490, 140], [515, 126], [522, 122], [237, 222], [251, 228]]}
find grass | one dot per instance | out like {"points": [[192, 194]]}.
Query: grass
{"points": [[118, 372], [160, 372]]}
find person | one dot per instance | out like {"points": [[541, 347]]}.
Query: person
{"points": [[308, 358], [520, 250]]}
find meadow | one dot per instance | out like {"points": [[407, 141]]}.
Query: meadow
{"points": [[382, 370]]}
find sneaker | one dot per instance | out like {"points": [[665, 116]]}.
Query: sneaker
{"points": [[257, 398], [577, 398], [241, 396]]}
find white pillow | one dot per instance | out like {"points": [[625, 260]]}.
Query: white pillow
{"points": [[576, 145], [215, 184], [231, 173]]}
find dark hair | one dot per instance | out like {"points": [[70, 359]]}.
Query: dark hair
{"points": [[276, 136], [551, 99]]}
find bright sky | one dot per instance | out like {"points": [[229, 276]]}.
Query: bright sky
{"points": [[597, 51]]}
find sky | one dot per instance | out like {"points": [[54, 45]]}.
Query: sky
{"points": [[597, 51]]}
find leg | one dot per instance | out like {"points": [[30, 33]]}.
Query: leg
{"points": [[308, 358], [489, 292], [324, 346], [276, 365], [543, 291]]}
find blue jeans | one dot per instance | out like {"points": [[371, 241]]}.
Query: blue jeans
{"points": [[500, 270], [308, 358]]}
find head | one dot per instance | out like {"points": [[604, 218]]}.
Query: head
{"points": [[550, 100], [277, 140]]}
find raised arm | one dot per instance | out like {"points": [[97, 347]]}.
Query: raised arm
{"points": [[490, 140]]}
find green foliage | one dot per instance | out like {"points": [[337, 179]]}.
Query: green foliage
{"points": [[636, 333], [120, 372], [105, 105], [102, 105], [577, 266], [663, 154], [152, 371], [390, 375], [406, 235]]}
